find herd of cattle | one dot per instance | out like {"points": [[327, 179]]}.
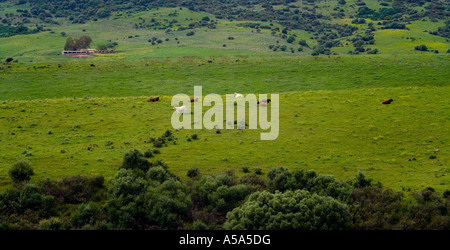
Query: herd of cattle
{"points": [[262, 103]]}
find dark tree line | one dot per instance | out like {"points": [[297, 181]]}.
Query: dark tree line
{"points": [[146, 195]]}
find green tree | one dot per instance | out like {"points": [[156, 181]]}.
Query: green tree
{"points": [[70, 44], [291, 210], [361, 181], [167, 204], [20, 171], [83, 42], [280, 179], [134, 159]]}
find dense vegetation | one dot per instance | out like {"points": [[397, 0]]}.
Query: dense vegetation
{"points": [[292, 15], [6, 31], [145, 195]]}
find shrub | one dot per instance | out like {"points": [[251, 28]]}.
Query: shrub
{"points": [[291, 210], [194, 136], [9, 59], [245, 169], [20, 171], [148, 153], [199, 225], [158, 174], [291, 39], [372, 51], [258, 171], [446, 193], [30, 197], [279, 179], [190, 33], [74, 189], [167, 204], [226, 198], [168, 133], [361, 181], [255, 182], [303, 43], [86, 214], [324, 185], [421, 47], [134, 159], [376, 209], [193, 172]]}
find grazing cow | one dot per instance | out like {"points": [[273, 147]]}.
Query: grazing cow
{"points": [[265, 100], [387, 101], [181, 109], [236, 95], [153, 99], [194, 100]]}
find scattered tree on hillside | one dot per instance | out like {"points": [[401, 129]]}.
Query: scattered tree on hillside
{"points": [[20, 171], [77, 44], [421, 47]]}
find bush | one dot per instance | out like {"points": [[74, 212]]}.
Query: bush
{"points": [[158, 174], [291, 39], [303, 43], [20, 171], [168, 133], [372, 51], [30, 197], [9, 59], [134, 159], [148, 153], [279, 179], [74, 189], [167, 204], [245, 169], [200, 225], [291, 210], [324, 185], [86, 214], [255, 182], [190, 33], [361, 181], [421, 47], [194, 136], [226, 198], [193, 172]]}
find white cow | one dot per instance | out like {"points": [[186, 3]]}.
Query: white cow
{"points": [[181, 109]]}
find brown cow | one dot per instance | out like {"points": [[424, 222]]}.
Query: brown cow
{"points": [[153, 99], [387, 101]]}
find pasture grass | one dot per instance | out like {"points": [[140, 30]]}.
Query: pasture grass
{"points": [[337, 132]]}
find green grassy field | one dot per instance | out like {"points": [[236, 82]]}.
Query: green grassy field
{"points": [[329, 121], [67, 117]]}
